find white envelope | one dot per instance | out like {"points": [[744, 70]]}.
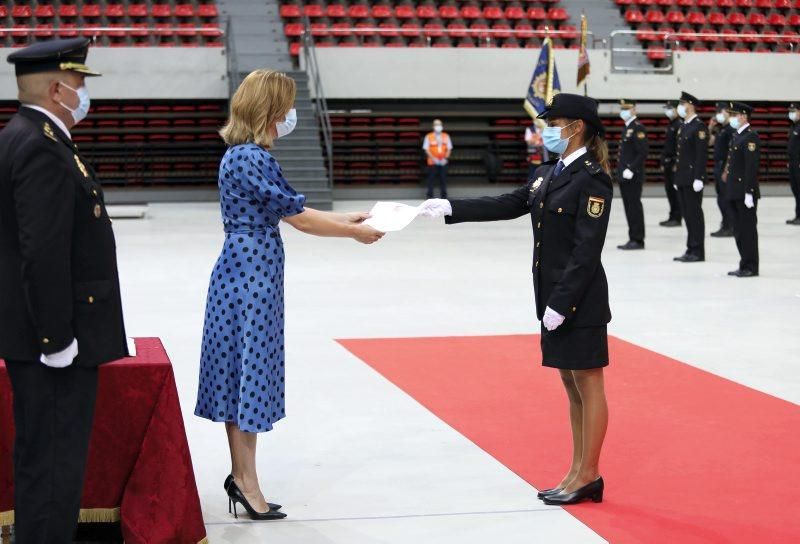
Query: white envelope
{"points": [[391, 216]]}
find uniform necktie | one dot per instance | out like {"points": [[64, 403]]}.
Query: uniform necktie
{"points": [[558, 169]]}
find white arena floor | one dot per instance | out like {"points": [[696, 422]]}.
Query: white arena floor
{"points": [[357, 460]]}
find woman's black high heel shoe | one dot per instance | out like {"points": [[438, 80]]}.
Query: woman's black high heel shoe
{"points": [[227, 484], [235, 495], [547, 492], [592, 490]]}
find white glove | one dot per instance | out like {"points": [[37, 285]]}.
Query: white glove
{"points": [[697, 185], [748, 200], [443, 162], [552, 319], [435, 208], [675, 187], [63, 358], [627, 174]]}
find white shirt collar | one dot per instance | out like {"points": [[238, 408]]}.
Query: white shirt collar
{"points": [[741, 129], [59, 123], [690, 119], [629, 121], [569, 159]]}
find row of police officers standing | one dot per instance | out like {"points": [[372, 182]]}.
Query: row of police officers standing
{"points": [[736, 157]]}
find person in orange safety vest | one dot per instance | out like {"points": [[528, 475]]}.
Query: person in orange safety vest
{"points": [[437, 146]]}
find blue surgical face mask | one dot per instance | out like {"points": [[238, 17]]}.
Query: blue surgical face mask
{"points": [[79, 113], [682, 111], [735, 122], [720, 118], [287, 126], [670, 112], [625, 114], [552, 139]]}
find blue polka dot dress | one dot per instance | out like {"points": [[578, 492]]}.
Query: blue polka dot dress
{"points": [[242, 356]]}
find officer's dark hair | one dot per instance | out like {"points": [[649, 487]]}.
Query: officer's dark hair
{"points": [[596, 145]]}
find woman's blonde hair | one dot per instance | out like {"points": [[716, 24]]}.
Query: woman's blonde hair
{"points": [[263, 99]]}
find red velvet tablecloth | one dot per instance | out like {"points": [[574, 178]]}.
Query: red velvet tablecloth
{"points": [[140, 470]]}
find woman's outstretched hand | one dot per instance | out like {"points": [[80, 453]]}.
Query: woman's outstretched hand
{"points": [[356, 218], [366, 234]]}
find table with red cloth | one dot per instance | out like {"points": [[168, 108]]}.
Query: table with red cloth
{"points": [[140, 470]]}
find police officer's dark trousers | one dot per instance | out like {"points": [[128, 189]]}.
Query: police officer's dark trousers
{"points": [[794, 183], [692, 209], [437, 171], [725, 206], [672, 194], [631, 191], [745, 231], [53, 413]]}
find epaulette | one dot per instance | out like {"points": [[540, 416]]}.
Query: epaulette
{"points": [[48, 131], [592, 167]]}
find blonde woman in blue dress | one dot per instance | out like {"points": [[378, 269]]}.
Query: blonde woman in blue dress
{"points": [[242, 356]]}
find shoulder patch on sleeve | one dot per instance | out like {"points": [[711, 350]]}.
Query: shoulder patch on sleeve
{"points": [[641, 135], [701, 134], [751, 146], [596, 206], [48, 131]]}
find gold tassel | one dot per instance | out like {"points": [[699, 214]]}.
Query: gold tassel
{"points": [[87, 515], [6, 518]]}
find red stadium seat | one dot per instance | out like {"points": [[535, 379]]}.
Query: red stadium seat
{"points": [[389, 30], [737, 18], [44, 11], [480, 29], [744, 3], [313, 11], [537, 14], [557, 14], [44, 30], [756, 19], [717, 18], [471, 12], [207, 11], [410, 30], [382, 11], [319, 30], [502, 31], [449, 11], [114, 11], [358, 11], [67, 30], [696, 18], [67, 11], [783, 4], [427, 11], [725, 3], [457, 30], [290, 11], [184, 11], [340, 29], [493, 12], [161, 11], [776, 19], [364, 29], [432, 30], [404, 11], [21, 12], [514, 13], [654, 16], [705, 4], [524, 31], [294, 48], [764, 4], [466, 42], [665, 3], [619, 3], [686, 3], [794, 19], [634, 16], [293, 29], [138, 11], [570, 32], [336, 11]]}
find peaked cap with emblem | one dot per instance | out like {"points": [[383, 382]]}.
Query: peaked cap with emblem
{"points": [[53, 56], [574, 106], [627, 103], [741, 107], [670, 104], [690, 98]]}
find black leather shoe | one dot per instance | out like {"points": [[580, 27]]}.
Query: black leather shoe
{"points": [[227, 484], [547, 492], [671, 223], [592, 490], [743, 273], [235, 495], [722, 233], [795, 221], [632, 245], [689, 258]]}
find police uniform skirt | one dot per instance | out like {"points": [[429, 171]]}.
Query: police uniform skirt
{"points": [[578, 348]]}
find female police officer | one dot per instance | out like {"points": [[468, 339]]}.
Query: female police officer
{"points": [[569, 205]]}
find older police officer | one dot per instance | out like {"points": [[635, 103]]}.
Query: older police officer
{"points": [[568, 202], [60, 309]]}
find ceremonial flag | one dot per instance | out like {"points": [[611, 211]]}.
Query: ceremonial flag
{"points": [[544, 82], [583, 57]]}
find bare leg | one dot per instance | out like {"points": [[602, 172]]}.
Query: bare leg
{"points": [[243, 460], [576, 422], [595, 422]]}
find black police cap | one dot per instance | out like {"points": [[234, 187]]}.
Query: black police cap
{"points": [[741, 107], [53, 56], [671, 104], [724, 105], [574, 106], [691, 99], [627, 103], [794, 106]]}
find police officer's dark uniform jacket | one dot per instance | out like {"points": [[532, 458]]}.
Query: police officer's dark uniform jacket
{"points": [[793, 152], [722, 142], [569, 215], [668, 152], [58, 282], [741, 178], [58, 267]]}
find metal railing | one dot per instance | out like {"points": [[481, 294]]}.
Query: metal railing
{"points": [[319, 101], [231, 58], [670, 43]]}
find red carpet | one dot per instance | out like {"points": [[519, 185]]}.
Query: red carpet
{"points": [[689, 458]]}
